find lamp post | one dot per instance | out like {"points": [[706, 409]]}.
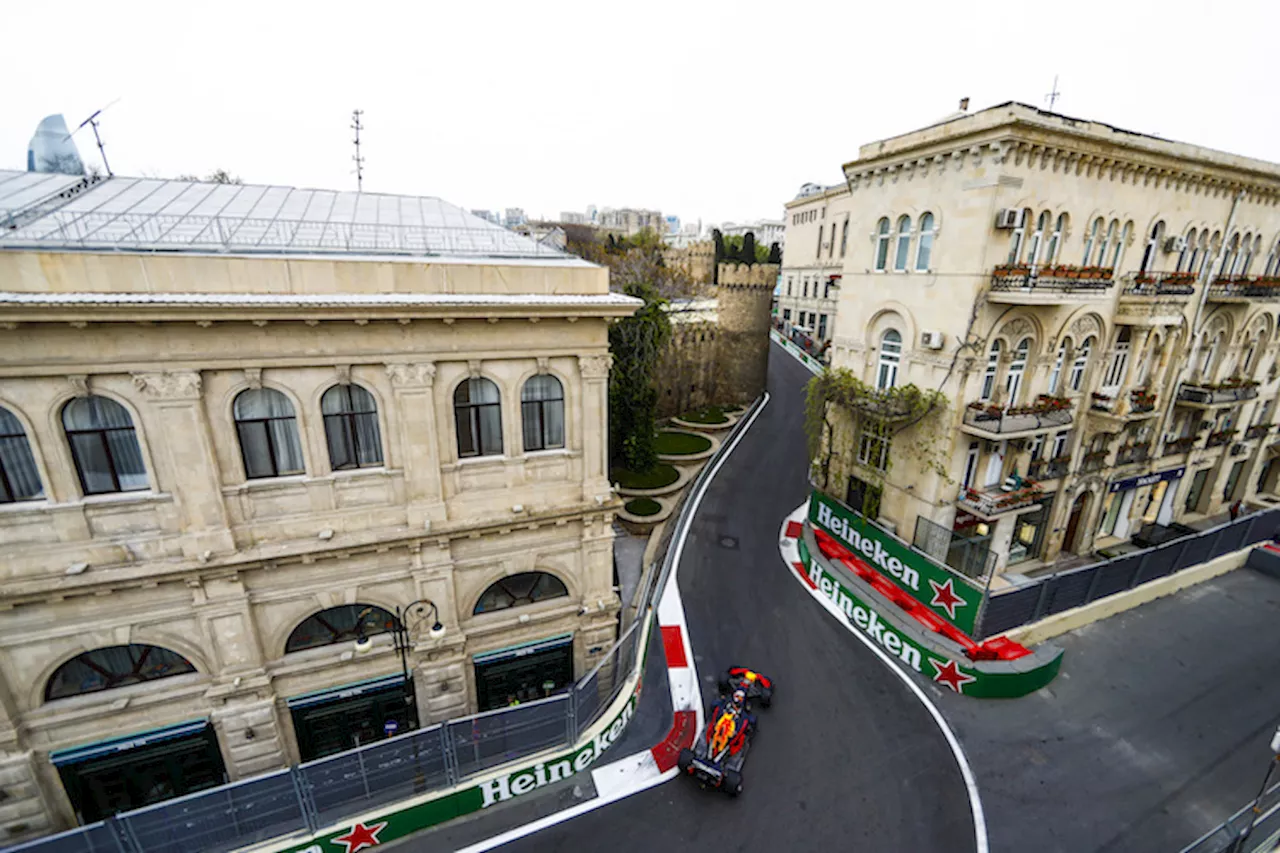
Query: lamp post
{"points": [[400, 637], [1256, 808]]}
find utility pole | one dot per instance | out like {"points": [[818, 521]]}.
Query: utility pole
{"points": [[357, 127], [1055, 94]]}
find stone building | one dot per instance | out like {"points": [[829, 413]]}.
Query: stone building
{"points": [[817, 224], [719, 348], [243, 428], [1098, 306]]}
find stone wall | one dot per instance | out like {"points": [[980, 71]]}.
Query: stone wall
{"points": [[698, 260]]}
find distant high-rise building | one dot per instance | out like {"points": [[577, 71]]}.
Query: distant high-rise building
{"points": [[673, 224], [488, 216], [52, 149], [514, 216]]}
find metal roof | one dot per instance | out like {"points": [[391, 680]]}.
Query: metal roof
{"points": [[153, 215]]}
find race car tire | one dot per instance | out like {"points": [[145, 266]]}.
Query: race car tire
{"points": [[766, 697], [684, 760], [732, 783]]}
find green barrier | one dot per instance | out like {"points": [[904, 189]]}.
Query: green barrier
{"points": [[985, 679]]}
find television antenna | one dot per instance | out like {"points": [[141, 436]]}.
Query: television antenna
{"points": [[357, 127], [1053, 96], [92, 121]]}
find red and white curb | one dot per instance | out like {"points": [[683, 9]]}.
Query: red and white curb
{"points": [[789, 546], [643, 770]]}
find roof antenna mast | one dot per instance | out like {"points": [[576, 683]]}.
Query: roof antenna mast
{"points": [[1053, 96], [357, 127], [92, 121]]}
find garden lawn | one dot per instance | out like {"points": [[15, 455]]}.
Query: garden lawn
{"points": [[643, 506], [681, 443], [661, 475], [709, 415]]}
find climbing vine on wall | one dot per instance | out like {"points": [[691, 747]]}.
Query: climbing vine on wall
{"points": [[636, 343], [905, 420]]}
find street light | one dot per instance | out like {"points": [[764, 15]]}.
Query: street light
{"points": [[1256, 808]]}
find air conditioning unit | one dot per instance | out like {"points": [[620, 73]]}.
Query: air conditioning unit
{"points": [[931, 340], [1175, 244], [1010, 218]]}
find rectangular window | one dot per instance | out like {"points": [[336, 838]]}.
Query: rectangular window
{"points": [[863, 497], [1233, 479], [873, 446], [1197, 488], [822, 325], [1060, 444], [1037, 446], [970, 464], [819, 252], [786, 314]]}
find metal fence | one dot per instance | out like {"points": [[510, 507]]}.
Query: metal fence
{"points": [[319, 793], [1075, 587], [1264, 826], [971, 557], [304, 798]]}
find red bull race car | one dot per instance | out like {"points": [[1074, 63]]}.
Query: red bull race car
{"points": [[718, 755]]}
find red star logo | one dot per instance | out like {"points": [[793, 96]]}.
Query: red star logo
{"points": [[944, 596], [949, 674], [360, 836]]}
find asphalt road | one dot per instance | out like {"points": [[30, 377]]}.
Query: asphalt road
{"points": [[846, 758]]}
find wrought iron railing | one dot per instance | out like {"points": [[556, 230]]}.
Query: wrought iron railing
{"points": [[1131, 453], [998, 501], [1016, 419], [1208, 395], [1055, 279], [1049, 469]]}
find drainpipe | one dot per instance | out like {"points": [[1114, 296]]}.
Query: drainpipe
{"points": [[1208, 278]]}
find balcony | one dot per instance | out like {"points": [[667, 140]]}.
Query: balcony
{"points": [[1049, 469], [1257, 431], [1180, 445], [1018, 284], [1137, 405], [1217, 439], [1245, 288], [1095, 461], [1208, 396], [993, 503], [1154, 298], [1131, 454], [997, 424]]}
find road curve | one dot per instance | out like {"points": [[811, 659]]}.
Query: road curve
{"points": [[847, 757]]}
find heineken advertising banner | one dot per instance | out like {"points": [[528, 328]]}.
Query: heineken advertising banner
{"points": [[951, 596], [408, 819], [995, 679]]}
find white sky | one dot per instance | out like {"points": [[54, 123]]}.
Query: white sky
{"points": [[715, 111]]}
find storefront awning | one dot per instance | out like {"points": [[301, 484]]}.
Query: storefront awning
{"points": [[345, 691], [523, 649], [75, 755]]}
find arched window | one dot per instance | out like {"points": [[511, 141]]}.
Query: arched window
{"points": [[1273, 261], [112, 667], [104, 446], [519, 590], [1187, 257], [351, 427], [19, 479], [1013, 379], [1107, 242], [1080, 363], [1252, 248], [1037, 237], [904, 244], [477, 413], [542, 408], [1207, 248], [1017, 237], [890, 356], [989, 376], [924, 250], [1095, 232], [341, 624], [1056, 375], [882, 244], [844, 237], [1230, 256], [1251, 353], [1153, 246], [1055, 240], [268, 433], [1117, 250], [1210, 355], [1119, 361]]}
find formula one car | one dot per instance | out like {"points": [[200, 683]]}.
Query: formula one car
{"points": [[718, 755], [758, 687]]}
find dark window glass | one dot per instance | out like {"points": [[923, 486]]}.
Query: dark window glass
{"points": [[521, 589], [339, 624], [19, 479], [114, 666], [351, 427], [103, 446], [477, 413], [542, 408], [268, 433]]}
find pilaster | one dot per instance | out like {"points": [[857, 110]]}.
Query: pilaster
{"points": [[413, 386]]}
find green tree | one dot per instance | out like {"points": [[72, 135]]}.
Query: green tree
{"points": [[748, 253], [637, 343], [775, 254]]}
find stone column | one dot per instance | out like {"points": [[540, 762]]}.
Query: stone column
{"points": [[437, 666], [594, 370], [413, 386], [187, 449]]}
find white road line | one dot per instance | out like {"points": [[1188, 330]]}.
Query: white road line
{"points": [[970, 783], [675, 609]]}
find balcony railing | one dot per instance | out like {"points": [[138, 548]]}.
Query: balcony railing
{"points": [[996, 501], [1258, 430], [1131, 453], [1217, 439], [1046, 413], [1160, 284], [1095, 461], [1141, 401], [1180, 445], [1089, 281], [1049, 469], [1136, 402], [1261, 287], [1213, 395]]}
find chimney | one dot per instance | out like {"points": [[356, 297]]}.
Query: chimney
{"points": [[964, 105]]}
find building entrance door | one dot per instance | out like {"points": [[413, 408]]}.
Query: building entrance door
{"points": [[129, 773], [346, 717], [1074, 521], [524, 673]]}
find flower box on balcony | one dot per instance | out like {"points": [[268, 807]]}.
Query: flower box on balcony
{"points": [[1257, 430], [1217, 439], [1048, 403], [1180, 445]]}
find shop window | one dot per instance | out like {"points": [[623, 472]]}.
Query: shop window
{"points": [[112, 667], [341, 624], [519, 590], [1028, 535]]}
